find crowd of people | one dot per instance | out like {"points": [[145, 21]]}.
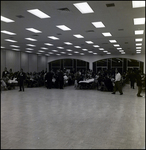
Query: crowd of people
{"points": [[106, 80]]}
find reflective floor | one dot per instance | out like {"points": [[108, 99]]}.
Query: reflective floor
{"points": [[41, 118]]}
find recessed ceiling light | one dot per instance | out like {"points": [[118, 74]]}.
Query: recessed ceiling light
{"points": [[138, 47], [69, 50], [31, 45], [139, 32], [113, 41], [95, 53], [47, 54], [95, 46], [105, 51], [77, 46], [90, 51], [7, 32], [38, 53], [101, 49], [44, 48], [63, 52], [138, 44], [60, 47], [48, 44], [68, 43], [78, 36], [2, 47], [98, 24], [69, 54], [28, 51], [122, 52], [50, 53], [83, 7], [14, 46], [138, 21], [58, 54], [31, 39], [33, 30], [7, 20], [29, 48], [81, 53], [55, 50], [119, 48], [38, 13], [76, 52], [137, 4], [9, 40], [116, 45], [89, 42], [106, 34], [138, 40], [84, 49], [53, 37], [138, 50], [108, 53], [41, 51], [63, 27], [16, 49]]}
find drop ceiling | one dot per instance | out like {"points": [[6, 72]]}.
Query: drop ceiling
{"points": [[117, 16]]}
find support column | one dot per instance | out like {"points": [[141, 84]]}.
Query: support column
{"points": [[90, 65]]}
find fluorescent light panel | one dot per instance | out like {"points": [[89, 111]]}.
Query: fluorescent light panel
{"points": [[83, 7], [107, 34], [78, 36], [9, 40], [113, 41], [7, 20], [29, 48], [16, 49], [30, 39], [53, 37], [31, 45], [38, 13], [44, 48], [98, 24], [138, 21], [138, 40], [60, 47], [41, 51], [95, 46], [14, 46], [63, 27], [77, 46], [33, 30], [137, 4], [89, 42], [116, 45], [69, 50], [139, 32], [101, 49], [48, 44], [68, 43], [138, 47], [7, 32], [138, 44], [84, 49]]}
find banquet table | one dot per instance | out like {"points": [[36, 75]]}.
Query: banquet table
{"points": [[86, 83]]}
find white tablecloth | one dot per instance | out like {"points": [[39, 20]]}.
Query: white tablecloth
{"points": [[87, 81]]}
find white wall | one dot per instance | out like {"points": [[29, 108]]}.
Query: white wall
{"points": [[33, 62]]}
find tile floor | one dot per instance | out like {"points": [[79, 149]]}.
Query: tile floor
{"points": [[41, 118]]}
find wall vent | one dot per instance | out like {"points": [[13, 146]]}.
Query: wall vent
{"points": [[64, 9], [90, 31], [20, 16], [110, 5]]}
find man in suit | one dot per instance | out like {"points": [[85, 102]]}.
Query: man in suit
{"points": [[139, 83], [49, 77], [21, 78], [60, 79], [118, 84]]}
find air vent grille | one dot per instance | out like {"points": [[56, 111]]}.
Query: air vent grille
{"points": [[110, 5], [64, 9]]}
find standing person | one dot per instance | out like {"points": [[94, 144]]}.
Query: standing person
{"points": [[21, 78], [118, 84], [5, 73], [139, 83], [61, 79], [49, 77], [132, 78]]}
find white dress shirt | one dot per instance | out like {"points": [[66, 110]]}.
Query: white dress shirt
{"points": [[118, 77]]}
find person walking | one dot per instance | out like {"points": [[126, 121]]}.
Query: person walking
{"points": [[49, 77], [139, 83], [132, 79], [118, 84], [21, 78]]}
